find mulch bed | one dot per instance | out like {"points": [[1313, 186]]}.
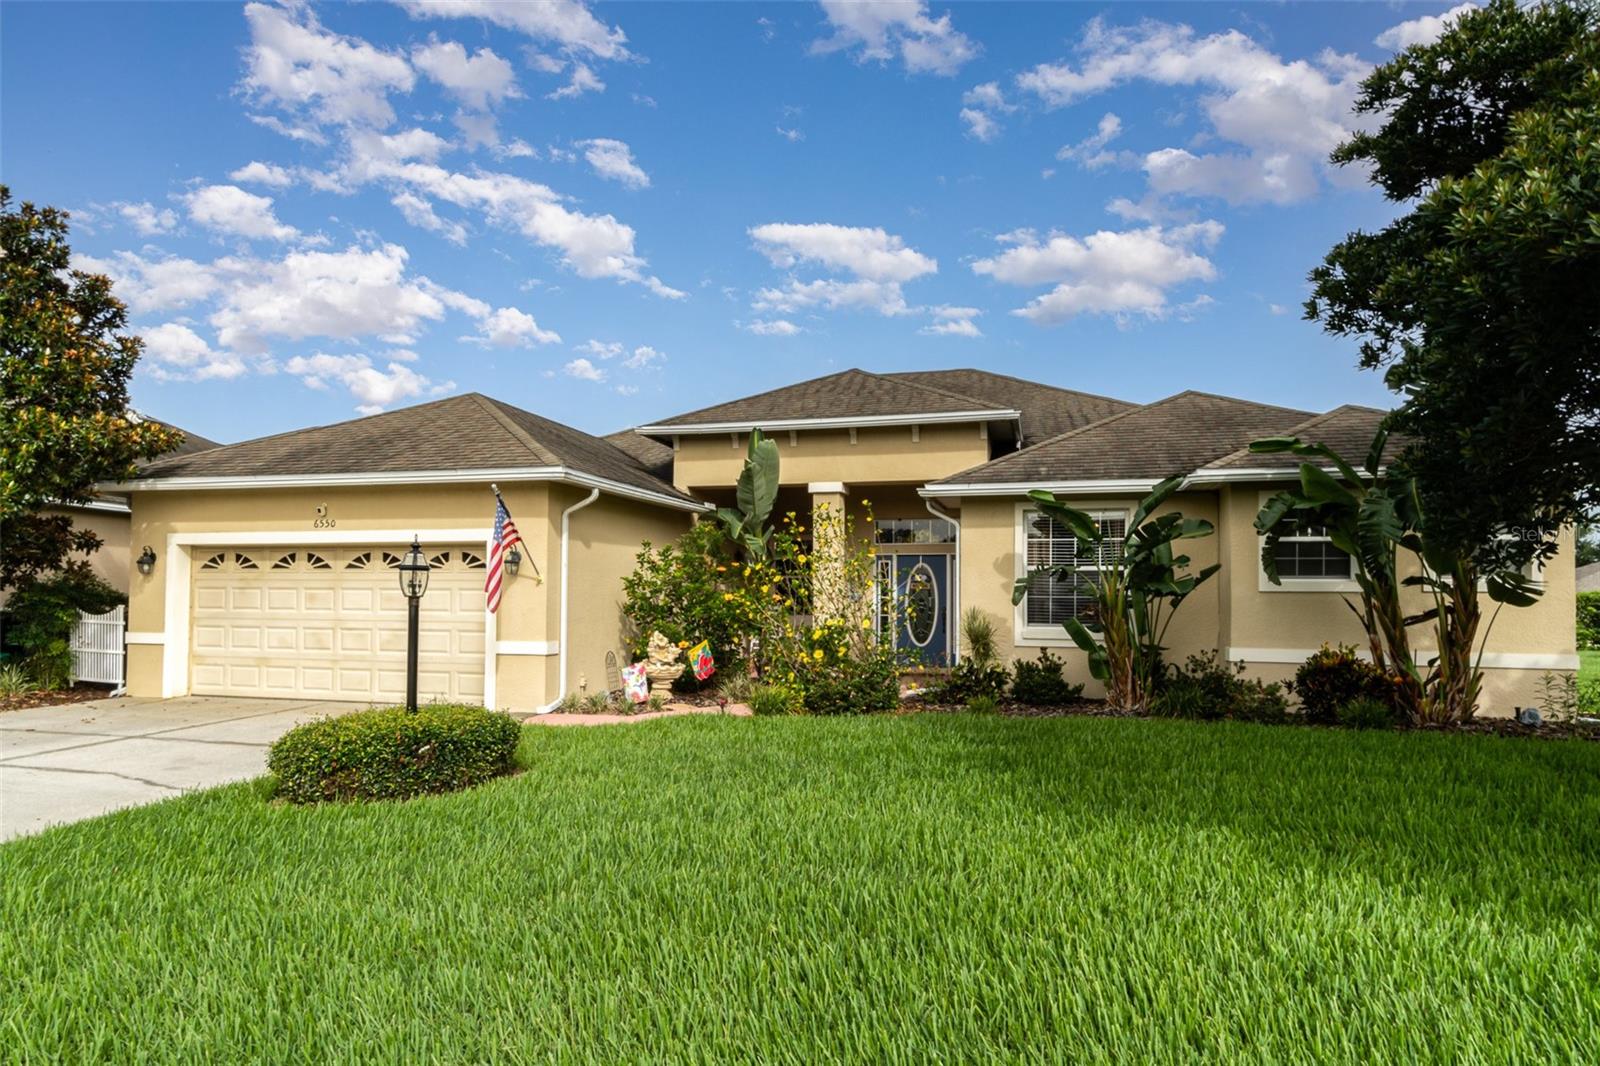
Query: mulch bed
{"points": [[80, 694]]}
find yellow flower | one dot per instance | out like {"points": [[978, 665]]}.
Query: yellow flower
{"points": [[683, 643], [817, 655], [800, 558], [722, 569], [866, 623], [727, 595]]}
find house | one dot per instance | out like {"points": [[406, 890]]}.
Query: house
{"points": [[274, 555]]}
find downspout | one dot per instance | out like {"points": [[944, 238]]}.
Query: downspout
{"points": [[561, 647], [955, 579]]}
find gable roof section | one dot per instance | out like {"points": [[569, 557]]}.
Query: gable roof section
{"points": [[1140, 446], [471, 433], [1047, 411], [850, 396], [1348, 430], [648, 452]]}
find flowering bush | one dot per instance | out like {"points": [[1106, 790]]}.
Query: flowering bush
{"points": [[691, 591], [1331, 678]]}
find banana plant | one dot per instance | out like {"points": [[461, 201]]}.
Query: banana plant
{"points": [[757, 491], [1139, 581], [1372, 515]]}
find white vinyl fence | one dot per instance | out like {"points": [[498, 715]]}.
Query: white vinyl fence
{"points": [[98, 648]]}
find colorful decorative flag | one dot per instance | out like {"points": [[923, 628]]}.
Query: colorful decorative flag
{"points": [[701, 662], [635, 682], [505, 535]]}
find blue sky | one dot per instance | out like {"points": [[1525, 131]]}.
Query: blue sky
{"points": [[613, 213]]}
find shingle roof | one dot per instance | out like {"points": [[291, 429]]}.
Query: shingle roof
{"points": [[847, 394], [467, 432], [1172, 436], [1047, 411], [647, 451], [1348, 430]]}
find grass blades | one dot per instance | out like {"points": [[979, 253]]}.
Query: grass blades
{"points": [[950, 888]]}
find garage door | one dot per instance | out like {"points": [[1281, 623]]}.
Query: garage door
{"points": [[327, 623]]}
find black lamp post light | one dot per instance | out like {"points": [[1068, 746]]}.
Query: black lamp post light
{"points": [[413, 571], [146, 561]]}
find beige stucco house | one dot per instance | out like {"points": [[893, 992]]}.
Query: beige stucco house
{"points": [[274, 556]]}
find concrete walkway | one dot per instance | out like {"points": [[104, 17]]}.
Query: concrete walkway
{"points": [[62, 764]]}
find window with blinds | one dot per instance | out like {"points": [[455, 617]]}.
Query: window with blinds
{"points": [[1053, 598], [1306, 552]]}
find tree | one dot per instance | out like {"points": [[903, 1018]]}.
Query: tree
{"points": [[1137, 587], [64, 369], [746, 524], [1480, 302]]}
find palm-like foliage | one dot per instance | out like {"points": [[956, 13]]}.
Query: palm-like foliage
{"points": [[1138, 585], [755, 494]]}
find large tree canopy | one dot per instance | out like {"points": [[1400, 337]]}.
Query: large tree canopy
{"points": [[64, 369], [1482, 303]]}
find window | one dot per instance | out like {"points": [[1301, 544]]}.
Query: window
{"points": [[285, 562], [1306, 552], [914, 531], [1053, 598]]}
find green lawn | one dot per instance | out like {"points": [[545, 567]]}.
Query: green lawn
{"points": [[1589, 664], [804, 890]]}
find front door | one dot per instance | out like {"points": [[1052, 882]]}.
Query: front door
{"points": [[921, 617]]}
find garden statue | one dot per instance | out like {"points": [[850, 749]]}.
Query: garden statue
{"points": [[663, 668]]}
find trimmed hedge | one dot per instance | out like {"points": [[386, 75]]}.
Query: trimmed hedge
{"points": [[387, 754], [1589, 620]]}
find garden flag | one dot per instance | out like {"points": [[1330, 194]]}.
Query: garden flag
{"points": [[505, 535], [636, 682], [701, 662]]}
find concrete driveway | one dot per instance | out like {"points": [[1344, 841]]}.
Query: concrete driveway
{"points": [[63, 764]]}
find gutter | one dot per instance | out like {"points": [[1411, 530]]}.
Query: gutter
{"points": [[691, 429], [562, 474], [1022, 488], [566, 596]]}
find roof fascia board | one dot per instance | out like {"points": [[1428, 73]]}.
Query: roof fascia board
{"points": [[1217, 476], [861, 421], [405, 477], [1022, 488]]}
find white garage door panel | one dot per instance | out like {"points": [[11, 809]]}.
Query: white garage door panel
{"points": [[331, 624]]}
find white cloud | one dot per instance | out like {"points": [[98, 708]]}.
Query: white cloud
{"points": [[546, 64], [626, 390], [1090, 152], [884, 297], [593, 246], [583, 80], [613, 159], [368, 150], [479, 81], [147, 285], [981, 104], [773, 327], [259, 173], [1275, 177], [343, 295], [867, 252], [511, 328], [790, 135], [567, 24], [295, 131], [949, 321], [375, 389], [294, 63], [1108, 272], [600, 349], [420, 213], [584, 370], [1424, 30], [644, 356], [178, 352], [229, 209], [882, 29], [1271, 107], [147, 219]]}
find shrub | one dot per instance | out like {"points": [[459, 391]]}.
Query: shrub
{"points": [[1589, 620], [14, 680], [43, 614], [774, 699], [388, 753], [983, 705], [1209, 687], [852, 685], [977, 636], [691, 590], [1041, 683], [1366, 712], [968, 680], [1332, 677]]}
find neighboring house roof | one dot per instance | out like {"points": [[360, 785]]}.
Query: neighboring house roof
{"points": [[1047, 411], [1173, 436], [192, 442], [1348, 430], [464, 433], [1589, 578], [648, 452], [848, 396]]}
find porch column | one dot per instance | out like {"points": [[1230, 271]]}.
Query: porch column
{"points": [[829, 503]]}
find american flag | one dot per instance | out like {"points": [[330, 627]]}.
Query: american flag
{"points": [[505, 535]]}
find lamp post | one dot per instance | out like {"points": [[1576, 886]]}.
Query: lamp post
{"points": [[413, 570]]}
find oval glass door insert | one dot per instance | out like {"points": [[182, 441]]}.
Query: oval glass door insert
{"points": [[922, 605]]}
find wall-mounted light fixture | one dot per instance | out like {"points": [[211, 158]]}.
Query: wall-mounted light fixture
{"points": [[512, 561], [146, 561]]}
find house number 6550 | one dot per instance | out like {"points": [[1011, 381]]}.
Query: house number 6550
{"points": [[322, 520]]}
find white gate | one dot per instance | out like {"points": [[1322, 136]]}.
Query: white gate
{"points": [[98, 650]]}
